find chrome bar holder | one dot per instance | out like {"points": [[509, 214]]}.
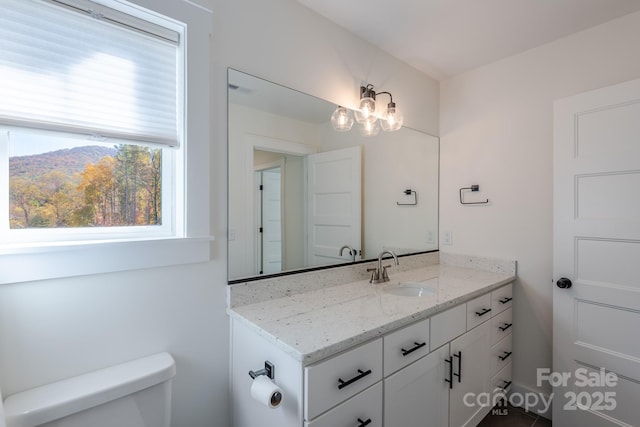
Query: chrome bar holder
{"points": [[269, 370]]}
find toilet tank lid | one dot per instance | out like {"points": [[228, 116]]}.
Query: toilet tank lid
{"points": [[62, 398]]}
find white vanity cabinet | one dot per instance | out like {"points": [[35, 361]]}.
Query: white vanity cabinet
{"points": [[338, 378], [469, 357], [414, 376], [463, 362], [418, 394]]}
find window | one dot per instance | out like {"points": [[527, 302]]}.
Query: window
{"points": [[113, 77], [90, 122]]}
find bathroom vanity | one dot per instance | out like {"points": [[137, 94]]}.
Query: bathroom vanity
{"points": [[349, 353]]}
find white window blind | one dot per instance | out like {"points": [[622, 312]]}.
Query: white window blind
{"points": [[85, 70]]}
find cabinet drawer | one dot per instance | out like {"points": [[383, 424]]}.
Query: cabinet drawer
{"points": [[501, 298], [501, 354], [405, 346], [501, 326], [337, 379], [364, 408], [478, 311], [448, 325], [502, 380]]}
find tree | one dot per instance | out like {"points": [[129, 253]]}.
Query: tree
{"points": [[25, 198], [99, 187]]}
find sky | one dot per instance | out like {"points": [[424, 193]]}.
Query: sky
{"points": [[27, 144]]}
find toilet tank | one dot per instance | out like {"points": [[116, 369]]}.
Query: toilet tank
{"points": [[132, 394]]}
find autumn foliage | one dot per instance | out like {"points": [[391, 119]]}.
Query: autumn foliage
{"points": [[122, 189]]}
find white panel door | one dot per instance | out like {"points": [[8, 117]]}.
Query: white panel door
{"points": [[271, 221], [597, 248], [334, 186]]}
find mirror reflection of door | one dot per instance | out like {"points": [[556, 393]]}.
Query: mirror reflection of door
{"points": [[334, 181], [269, 231], [280, 246]]}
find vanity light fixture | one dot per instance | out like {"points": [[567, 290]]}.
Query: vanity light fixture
{"points": [[367, 115], [342, 119], [366, 112], [370, 128]]}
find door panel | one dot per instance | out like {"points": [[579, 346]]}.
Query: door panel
{"points": [[334, 204], [271, 221], [597, 246]]}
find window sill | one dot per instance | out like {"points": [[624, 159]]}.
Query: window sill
{"points": [[23, 263]]}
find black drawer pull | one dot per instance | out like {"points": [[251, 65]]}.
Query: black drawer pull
{"points": [[506, 384], [411, 350], [505, 327], [459, 374], [505, 355], [450, 380], [505, 300], [364, 423], [483, 312], [342, 383]]}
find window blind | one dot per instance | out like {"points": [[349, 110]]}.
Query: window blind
{"points": [[72, 69]]}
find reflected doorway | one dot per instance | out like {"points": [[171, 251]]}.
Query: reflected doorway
{"points": [[269, 204]]}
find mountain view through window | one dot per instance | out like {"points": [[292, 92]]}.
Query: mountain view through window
{"points": [[57, 183]]}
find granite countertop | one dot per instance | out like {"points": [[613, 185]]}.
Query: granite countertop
{"points": [[313, 325]]}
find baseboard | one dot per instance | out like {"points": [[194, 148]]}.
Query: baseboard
{"points": [[539, 408]]}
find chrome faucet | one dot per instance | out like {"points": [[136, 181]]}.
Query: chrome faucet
{"points": [[352, 252], [380, 275]]}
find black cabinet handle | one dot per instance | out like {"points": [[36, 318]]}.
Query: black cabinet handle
{"points": [[364, 423], [505, 327], [450, 380], [505, 355], [506, 384], [459, 374], [505, 300], [411, 350], [342, 383], [483, 312]]}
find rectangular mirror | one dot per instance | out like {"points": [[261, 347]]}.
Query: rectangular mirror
{"points": [[299, 191]]}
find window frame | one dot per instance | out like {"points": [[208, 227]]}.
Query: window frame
{"points": [[171, 203], [190, 240]]}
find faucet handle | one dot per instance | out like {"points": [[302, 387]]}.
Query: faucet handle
{"points": [[385, 275], [375, 275]]}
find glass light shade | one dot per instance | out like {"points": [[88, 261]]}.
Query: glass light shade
{"points": [[392, 118], [369, 128], [342, 119], [366, 112]]}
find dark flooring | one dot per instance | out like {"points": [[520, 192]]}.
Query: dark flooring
{"points": [[512, 416]]}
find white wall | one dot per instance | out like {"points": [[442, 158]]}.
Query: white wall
{"points": [[391, 163], [56, 328], [242, 121], [496, 131]]}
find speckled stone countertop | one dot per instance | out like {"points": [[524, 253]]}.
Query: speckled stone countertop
{"points": [[319, 323]]}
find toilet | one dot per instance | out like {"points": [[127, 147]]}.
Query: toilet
{"points": [[132, 394]]}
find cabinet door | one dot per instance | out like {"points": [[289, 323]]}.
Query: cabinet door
{"points": [[418, 396], [471, 369], [447, 325], [405, 346], [363, 409], [335, 380], [478, 310]]}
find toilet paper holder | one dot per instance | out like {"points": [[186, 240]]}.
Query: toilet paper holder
{"points": [[269, 370]]}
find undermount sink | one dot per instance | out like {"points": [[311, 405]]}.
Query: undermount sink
{"points": [[411, 289]]}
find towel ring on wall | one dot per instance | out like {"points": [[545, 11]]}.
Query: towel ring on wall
{"points": [[474, 187], [409, 192]]}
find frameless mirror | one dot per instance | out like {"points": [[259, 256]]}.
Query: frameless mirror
{"points": [[300, 191]]}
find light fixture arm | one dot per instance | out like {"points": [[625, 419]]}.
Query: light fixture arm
{"points": [[388, 93]]}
